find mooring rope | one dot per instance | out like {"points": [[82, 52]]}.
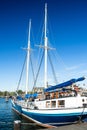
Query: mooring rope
{"points": [[80, 117]]}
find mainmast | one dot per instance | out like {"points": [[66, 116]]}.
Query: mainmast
{"points": [[45, 47], [28, 58]]}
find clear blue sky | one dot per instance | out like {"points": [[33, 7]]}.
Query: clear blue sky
{"points": [[68, 22]]}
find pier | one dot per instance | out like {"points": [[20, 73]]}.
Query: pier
{"points": [[79, 126], [82, 126]]}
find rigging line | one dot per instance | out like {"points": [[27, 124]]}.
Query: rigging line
{"points": [[21, 73], [41, 42], [32, 68], [62, 63], [33, 37], [38, 70], [59, 59], [40, 30], [38, 55], [52, 68]]}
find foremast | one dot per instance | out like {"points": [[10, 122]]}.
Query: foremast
{"points": [[28, 58]]}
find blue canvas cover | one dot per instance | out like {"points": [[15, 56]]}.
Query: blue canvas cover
{"points": [[19, 98], [64, 84], [31, 95]]}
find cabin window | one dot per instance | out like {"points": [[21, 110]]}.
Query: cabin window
{"points": [[53, 104], [47, 95], [48, 104], [61, 103], [82, 100]]}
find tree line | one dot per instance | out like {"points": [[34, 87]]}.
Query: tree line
{"points": [[7, 93]]}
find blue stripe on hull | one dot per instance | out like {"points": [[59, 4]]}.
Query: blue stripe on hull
{"points": [[44, 118], [17, 107]]}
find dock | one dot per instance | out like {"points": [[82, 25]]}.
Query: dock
{"points": [[79, 126]]}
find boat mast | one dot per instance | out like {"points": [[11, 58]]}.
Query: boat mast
{"points": [[28, 58], [45, 47]]}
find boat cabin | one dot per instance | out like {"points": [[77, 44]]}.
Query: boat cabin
{"points": [[61, 99]]}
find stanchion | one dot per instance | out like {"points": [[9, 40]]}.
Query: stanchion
{"points": [[17, 125]]}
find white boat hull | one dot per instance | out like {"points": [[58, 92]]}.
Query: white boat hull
{"points": [[53, 117]]}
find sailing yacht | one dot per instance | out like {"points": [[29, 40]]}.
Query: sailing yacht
{"points": [[56, 105]]}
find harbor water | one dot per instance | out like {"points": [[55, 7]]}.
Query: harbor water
{"points": [[8, 116]]}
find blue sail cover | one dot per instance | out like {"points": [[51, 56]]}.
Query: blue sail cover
{"points": [[64, 84], [19, 98], [31, 95]]}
